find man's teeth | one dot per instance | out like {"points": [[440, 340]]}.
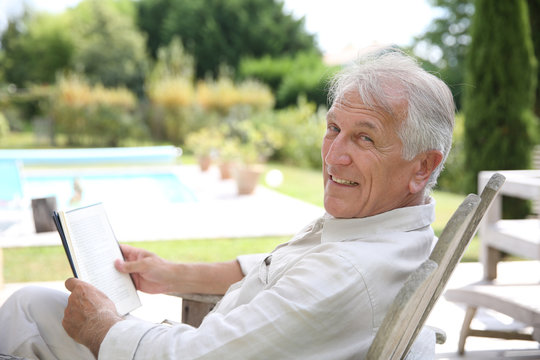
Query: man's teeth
{"points": [[344, 182]]}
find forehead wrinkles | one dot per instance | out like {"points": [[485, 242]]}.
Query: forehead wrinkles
{"points": [[363, 113], [389, 97], [362, 117]]}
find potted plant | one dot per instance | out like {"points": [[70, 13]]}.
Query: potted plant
{"points": [[249, 170], [228, 157], [204, 145], [254, 152]]}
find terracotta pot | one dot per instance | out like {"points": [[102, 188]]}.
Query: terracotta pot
{"points": [[204, 162], [247, 179], [226, 170]]}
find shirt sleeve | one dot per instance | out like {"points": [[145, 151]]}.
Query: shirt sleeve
{"points": [[123, 338], [249, 261], [321, 312]]}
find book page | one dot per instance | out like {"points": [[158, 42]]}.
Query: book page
{"points": [[95, 248], [67, 240]]}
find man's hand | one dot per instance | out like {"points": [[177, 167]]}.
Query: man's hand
{"points": [[155, 275], [89, 314], [150, 273]]}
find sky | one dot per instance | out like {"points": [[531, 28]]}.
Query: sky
{"points": [[337, 24]]}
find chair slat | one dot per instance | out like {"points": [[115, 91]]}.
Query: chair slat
{"points": [[416, 299]]}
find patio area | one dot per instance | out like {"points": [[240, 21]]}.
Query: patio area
{"points": [[220, 212], [446, 316], [449, 316]]}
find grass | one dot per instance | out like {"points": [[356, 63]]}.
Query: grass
{"points": [[307, 184], [49, 263]]}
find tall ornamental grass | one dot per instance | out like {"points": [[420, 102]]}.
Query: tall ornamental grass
{"points": [[92, 115]]}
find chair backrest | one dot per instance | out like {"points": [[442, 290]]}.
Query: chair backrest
{"points": [[422, 289], [10, 181]]}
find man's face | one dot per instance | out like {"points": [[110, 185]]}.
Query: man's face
{"points": [[364, 173]]}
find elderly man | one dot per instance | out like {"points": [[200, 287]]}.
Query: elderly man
{"points": [[321, 295]]}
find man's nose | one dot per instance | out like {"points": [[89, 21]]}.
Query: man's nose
{"points": [[339, 152]]}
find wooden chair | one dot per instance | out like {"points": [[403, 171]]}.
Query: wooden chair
{"points": [[418, 296], [196, 306], [519, 301]]}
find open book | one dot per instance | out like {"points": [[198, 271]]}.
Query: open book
{"points": [[92, 248]]}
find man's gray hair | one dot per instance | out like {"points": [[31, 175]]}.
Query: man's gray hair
{"points": [[385, 78]]}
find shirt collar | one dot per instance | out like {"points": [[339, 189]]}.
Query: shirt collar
{"points": [[397, 220]]}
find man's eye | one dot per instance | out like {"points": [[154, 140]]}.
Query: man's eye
{"points": [[365, 138], [333, 128]]}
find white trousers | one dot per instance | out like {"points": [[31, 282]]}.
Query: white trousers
{"points": [[31, 326]]}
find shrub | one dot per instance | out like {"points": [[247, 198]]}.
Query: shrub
{"points": [[223, 95], [270, 71], [302, 128], [291, 77], [4, 126], [172, 100], [93, 115], [310, 83], [452, 178], [257, 138]]}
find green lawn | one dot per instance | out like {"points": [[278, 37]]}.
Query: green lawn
{"points": [[49, 263], [308, 186]]}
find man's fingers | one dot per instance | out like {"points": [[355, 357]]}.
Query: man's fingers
{"points": [[128, 266], [71, 283]]}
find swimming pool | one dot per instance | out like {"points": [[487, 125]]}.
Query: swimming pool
{"points": [[127, 187], [141, 154], [118, 184]]}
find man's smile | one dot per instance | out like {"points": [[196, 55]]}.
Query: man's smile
{"points": [[343, 181]]}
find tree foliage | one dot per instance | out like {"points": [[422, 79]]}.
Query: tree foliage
{"points": [[221, 32], [534, 16], [501, 71], [34, 48], [290, 77], [97, 38], [111, 50], [445, 42]]}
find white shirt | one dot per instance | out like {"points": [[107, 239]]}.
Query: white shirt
{"points": [[322, 295]]}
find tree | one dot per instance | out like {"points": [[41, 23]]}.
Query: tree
{"points": [[501, 73], [291, 77], [534, 11], [444, 44], [110, 50], [35, 47], [221, 32]]}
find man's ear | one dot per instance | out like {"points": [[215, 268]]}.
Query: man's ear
{"points": [[426, 163]]}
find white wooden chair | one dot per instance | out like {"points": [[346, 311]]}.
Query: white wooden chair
{"points": [[418, 296], [520, 300]]}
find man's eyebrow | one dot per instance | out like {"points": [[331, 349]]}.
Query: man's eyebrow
{"points": [[330, 115], [368, 124]]}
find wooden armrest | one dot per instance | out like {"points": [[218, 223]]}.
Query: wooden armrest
{"points": [[440, 335], [519, 301], [204, 298], [196, 306]]}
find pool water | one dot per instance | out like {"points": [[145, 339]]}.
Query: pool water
{"points": [[149, 188]]}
